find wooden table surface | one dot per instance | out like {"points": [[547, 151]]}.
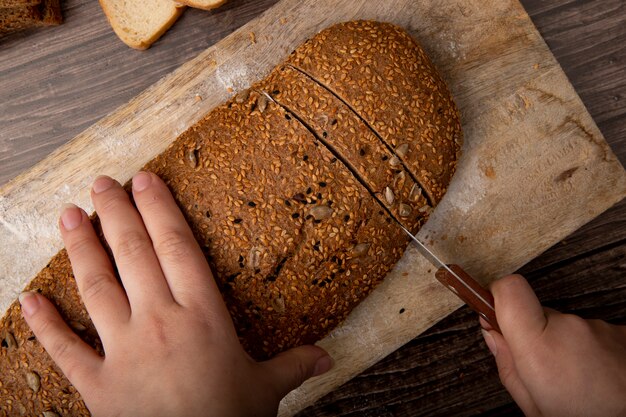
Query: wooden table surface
{"points": [[56, 82]]}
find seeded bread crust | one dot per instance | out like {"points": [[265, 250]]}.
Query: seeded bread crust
{"points": [[297, 233], [386, 77], [282, 240], [339, 127]]}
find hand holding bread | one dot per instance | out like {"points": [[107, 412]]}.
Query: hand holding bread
{"points": [[171, 347]]}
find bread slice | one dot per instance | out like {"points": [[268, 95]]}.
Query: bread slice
{"points": [[429, 147], [202, 4], [16, 18], [139, 23], [51, 13], [337, 126], [18, 3], [24, 16]]}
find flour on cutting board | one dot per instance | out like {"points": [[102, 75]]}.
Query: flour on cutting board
{"points": [[25, 225], [469, 193], [20, 231], [233, 75], [116, 147], [34, 223], [452, 45]]}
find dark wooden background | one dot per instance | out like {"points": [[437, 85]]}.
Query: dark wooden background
{"points": [[56, 82]]}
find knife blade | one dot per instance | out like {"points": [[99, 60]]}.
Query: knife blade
{"points": [[460, 283]]}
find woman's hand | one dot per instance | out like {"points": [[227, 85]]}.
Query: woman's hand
{"points": [[556, 364], [170, 345]]}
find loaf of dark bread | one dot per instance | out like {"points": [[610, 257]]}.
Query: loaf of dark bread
{"points": [[291, 189]]}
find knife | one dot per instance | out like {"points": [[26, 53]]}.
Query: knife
{"points": [[460, 283]]}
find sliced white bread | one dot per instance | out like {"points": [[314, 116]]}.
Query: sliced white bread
{"points": [[139, 23], [202, 4]]}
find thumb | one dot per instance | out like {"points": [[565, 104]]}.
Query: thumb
{"points": [[507, 371], [291, 368], [520, 315]]}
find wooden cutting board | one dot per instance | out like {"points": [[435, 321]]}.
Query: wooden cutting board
{"points": [[535, 166]]}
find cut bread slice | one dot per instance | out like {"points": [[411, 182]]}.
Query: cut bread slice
{"points": [[202, 4], [51, 13], [17, 18], [47, 13], [139, 23], [18, 3]]}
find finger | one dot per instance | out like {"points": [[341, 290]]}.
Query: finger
{"points": [[103, 296], [289, 369], [183, 263], [134, 255], [520, 315], [507, 371], [77, 360]]}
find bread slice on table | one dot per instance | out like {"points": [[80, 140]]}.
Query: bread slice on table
{"points": [[18, 3], [51, 13], [16, 18], [24, 16], [202, 4], [139, 23]]}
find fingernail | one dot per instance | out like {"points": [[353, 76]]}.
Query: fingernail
{"points": [[71, 216], [490, 341], [323, 365], [102, 183], [29, 303], [484, 323], [141, 181]]}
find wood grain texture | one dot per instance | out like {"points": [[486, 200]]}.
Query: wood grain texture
{"points": [[80, 74]]}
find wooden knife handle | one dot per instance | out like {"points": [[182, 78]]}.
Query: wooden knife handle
{"points": [[480, 300]]}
